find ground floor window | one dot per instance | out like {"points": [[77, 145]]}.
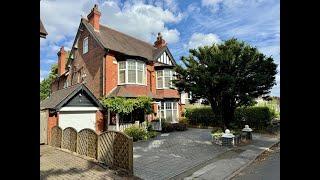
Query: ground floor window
{"points": [[168, 110]]}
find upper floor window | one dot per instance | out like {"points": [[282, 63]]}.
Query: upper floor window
{"points": [[132, 72], [164, 79], [85, 45]]}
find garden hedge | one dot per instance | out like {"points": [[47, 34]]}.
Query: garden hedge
{"points": [[255, 117]]}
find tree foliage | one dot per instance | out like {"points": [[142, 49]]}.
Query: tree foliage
{"points": [[45, 84], [228, 75], [123, 105]]}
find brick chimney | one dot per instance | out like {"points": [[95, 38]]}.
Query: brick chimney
{"points": [[159, 43], [94, 17], [62, 57]]}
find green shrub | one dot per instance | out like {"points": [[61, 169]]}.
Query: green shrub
{"points": [[180, 126], [255, 117], [183, 120], [202, 116], [149, 128], [167, 127], [217, 130], [136, 133], [152, 134]]}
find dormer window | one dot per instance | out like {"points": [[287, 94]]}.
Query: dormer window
{"points": [[132, 72], [85, 45]]}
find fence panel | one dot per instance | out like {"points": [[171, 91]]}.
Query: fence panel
{"points": [[105, 147], [116, 149], [87, 143], [69, 139], [123, 151], [56, 135]]}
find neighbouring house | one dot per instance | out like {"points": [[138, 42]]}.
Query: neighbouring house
{"points": [[43, 32], [113, 64], [186, 98], [74, 106]]}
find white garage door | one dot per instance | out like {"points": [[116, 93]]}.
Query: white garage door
{"points": [[77, 119]]}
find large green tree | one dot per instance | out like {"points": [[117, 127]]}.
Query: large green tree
{"points": [[45, 84], [228, 75]]}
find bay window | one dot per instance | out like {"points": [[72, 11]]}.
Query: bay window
{"points": [[168, 111], [164, 79], [131, 72]]}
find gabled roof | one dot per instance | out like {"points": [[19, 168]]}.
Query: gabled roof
{"points": [[117, 41], [43, 32], [62, 96], [158, 52]]}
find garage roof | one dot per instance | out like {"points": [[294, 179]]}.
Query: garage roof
{"points": [[62, 96]]}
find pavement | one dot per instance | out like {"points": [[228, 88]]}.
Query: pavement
{"points": [[229, 164], [171, 154], [267, 166], [57, 164]]}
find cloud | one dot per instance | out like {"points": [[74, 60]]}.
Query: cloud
{"points": [[210, 2], [199, 39], [50, 61], [140, 20], [171, 36]]}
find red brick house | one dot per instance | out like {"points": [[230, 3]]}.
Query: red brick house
{"points": [[113, 64]]}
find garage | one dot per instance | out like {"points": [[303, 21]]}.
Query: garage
{"points": [[77, 119], [75, 107]]}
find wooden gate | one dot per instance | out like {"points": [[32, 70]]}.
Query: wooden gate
{"points": [[43, 126], [116, 149]]}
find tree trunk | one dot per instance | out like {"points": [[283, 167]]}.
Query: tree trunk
{"points": [[228, 109]]}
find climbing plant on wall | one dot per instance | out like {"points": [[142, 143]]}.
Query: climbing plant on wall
{"points": [[123, 105]]}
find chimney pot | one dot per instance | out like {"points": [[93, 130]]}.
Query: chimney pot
{"points": [[159, 43], [62, 57], [94, 17]]}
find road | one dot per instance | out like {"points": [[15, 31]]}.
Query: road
{"points": [[266, 167]]}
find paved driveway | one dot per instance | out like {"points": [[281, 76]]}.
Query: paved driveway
{"points": [[173, 153], [57, 164]]}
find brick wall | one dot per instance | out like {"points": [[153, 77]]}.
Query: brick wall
{"points": [[52, 121], [89, 63], [100, 122], [151, 78], [111, 73]]}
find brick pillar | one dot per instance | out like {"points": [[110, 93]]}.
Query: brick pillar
{"points": [[52, 122], [99, 122]]}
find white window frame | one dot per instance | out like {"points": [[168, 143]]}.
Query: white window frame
{"points": [[172, 74], [85, 45], [165, 109], [144, 75]]}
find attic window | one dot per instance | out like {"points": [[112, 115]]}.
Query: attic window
{"points": [[85, 45]]}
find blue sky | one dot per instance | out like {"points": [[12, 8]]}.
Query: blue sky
{"points": [[184, 24]]}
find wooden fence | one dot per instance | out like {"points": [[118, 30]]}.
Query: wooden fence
{"points": [[112, 148]]}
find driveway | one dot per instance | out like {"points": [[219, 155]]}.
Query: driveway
{"points": [[172, 154], [57, 164]]}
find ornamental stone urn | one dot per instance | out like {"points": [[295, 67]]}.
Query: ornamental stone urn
{"points": [[227, 138], [248, 132]]}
